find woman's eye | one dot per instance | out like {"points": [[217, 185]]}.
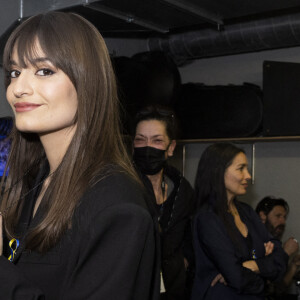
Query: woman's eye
{"points": [[44, 72], [13, 74]]}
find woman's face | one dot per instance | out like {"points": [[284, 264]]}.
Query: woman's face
{"points": [[152, 133], [42, 97], [236, 176]]}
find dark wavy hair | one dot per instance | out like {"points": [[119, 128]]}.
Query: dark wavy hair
{"points": [[269, 202], [210, 184], [161, 113]]}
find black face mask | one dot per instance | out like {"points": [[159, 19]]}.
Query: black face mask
{"points": [[149, 160]]}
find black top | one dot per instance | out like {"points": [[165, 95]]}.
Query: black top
{"points": [[216, 253], [108, 254]]}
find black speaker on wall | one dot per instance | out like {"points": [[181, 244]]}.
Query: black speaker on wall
{"points": [[281, 89], [220, 111]]}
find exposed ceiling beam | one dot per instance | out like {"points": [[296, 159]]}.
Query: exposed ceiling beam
{"points": [[129, 18], [198, 11]]}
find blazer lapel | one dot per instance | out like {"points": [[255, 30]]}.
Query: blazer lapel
{"points": [[26, 221]]}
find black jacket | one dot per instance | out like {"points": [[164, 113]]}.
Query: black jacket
{"points": [[216, 253], [108, 254], [176, 233]]}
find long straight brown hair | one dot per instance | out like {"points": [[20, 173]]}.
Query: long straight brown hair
{"points": [[76, 47]]}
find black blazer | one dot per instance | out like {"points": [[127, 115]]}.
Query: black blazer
{"points": [[108, 254], [216, 253], [176, 233]]}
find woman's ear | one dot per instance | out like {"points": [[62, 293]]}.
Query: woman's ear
{"points": [[171, 148]]}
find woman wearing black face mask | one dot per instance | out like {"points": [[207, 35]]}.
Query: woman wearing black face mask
{"points": [[172, 195]]}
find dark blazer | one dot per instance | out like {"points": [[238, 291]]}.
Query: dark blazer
{"points": [[216, 253], [107, 254], [175, 233]]}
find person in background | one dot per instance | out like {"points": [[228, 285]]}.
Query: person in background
{"points": [[273, 213], [229, 238], [76, 223], [173, 197]]}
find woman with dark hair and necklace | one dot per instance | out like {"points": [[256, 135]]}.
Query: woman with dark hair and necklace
{"points": [[173, 197], [75, 220], [229, 238]]}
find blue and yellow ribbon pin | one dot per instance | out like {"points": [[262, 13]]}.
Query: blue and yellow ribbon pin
{"points": [[13, 245]]}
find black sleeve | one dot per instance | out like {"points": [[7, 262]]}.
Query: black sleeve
{"points": [[219, 249], [273, 266], [116, 258]]}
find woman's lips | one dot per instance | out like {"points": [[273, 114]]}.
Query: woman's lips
{"points": [[25, 106]]}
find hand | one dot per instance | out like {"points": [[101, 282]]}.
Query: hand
{"points": [[186, 263], [291, 246], [218, 278], [269, 247]]}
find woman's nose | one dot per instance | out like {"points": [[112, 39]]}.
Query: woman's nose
{"points": [[21, 86], [247, 175]]}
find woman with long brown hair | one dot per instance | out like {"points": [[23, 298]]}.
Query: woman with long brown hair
{"points": [[75, 222]]}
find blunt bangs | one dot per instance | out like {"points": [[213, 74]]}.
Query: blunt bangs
{"points": [[39, 32]]}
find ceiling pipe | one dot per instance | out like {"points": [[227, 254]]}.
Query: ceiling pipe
{"points": [[251, 36]]}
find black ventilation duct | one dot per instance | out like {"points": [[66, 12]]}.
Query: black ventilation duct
{"points": [[250, 36]]}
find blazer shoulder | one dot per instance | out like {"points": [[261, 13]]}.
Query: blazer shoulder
{"points": [[206, 217], [115, 188]]}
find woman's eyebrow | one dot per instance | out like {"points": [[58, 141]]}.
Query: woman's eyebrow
{"points": [[158, 135], [242, 165]]}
